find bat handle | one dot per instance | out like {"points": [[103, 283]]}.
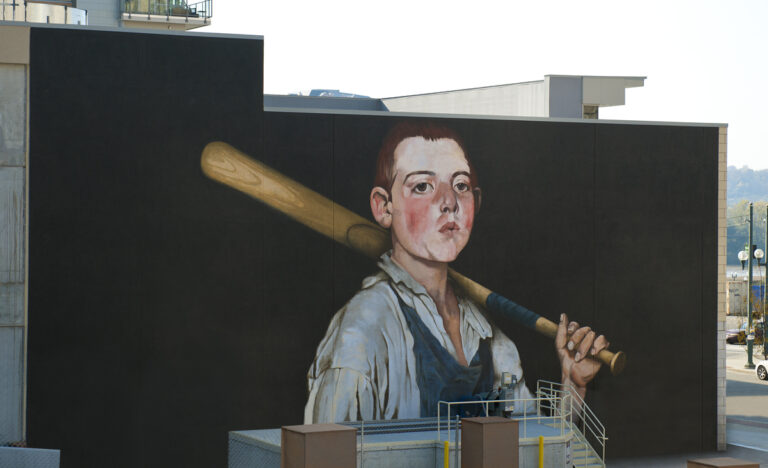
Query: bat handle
{"points": [[496, 303], [614, 360]]}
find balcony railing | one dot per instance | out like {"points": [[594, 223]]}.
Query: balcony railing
{"points": [[168, 8], [42, 11]]}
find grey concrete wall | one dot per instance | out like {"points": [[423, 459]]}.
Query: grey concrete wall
{"points": [[101, 12], [13, 124], [737, 298], [519, 99], [29, 458], [565, 96]]}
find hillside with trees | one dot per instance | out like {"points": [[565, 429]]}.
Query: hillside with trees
{"points": [[747, 184]]}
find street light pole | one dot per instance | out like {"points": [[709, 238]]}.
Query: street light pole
{"points": [[749, 364], [765, 286]]}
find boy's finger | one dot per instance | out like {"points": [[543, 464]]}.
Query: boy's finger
{"points": [[561, 335], [576, 338], [600, 344], [584, 346]]}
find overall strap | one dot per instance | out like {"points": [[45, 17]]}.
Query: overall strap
{"points": [[438, 374]]}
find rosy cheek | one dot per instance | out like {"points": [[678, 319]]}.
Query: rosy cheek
{"points": [[469, 214], [416, 216]]}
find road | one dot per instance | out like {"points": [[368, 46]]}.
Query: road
{"points": [[746, 402]]}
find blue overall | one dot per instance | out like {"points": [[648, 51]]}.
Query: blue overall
{"points": [[438, 374]]}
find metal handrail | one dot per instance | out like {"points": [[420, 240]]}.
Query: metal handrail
{"points": [[588, 411], [592, 418], [13, 4], [589, 421], [562, 417], [168, 8], [555, 405], [24, 5], [556, 400]]}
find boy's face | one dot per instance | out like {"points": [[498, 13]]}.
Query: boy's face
{"points": [[433, 204]]}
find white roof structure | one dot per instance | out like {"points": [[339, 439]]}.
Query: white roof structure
{"points": [[559, 96]]}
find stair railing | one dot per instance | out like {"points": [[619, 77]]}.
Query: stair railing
{"points": [[586, 422]]}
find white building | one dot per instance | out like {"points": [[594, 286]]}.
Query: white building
{"points": [[150, 14], [557, 96]]}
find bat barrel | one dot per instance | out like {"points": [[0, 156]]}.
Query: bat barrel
{"points": [[223, 163]]}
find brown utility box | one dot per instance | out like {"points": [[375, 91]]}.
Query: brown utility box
{"points": [[722, 462], [318, 446], [489, 442]]}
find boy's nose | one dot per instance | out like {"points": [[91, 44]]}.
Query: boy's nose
{"points": [[448, 201]]}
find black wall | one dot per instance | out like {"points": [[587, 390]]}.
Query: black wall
{"points": [[166, 309], [132, 358]]}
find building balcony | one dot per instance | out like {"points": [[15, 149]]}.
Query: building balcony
{"points": [[50, 11], [166, 14]]}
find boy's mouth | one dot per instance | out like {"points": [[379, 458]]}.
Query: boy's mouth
{"points": [[449, 227]]}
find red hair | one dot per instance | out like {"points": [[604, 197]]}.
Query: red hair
{"points": [[385, 164]]}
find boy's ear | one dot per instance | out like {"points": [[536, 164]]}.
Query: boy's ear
{"points": [[478, 198], [381, 207]]}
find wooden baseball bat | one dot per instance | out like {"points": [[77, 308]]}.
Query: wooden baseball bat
{"points": [[223, 163]]}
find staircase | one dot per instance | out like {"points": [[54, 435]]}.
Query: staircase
{"points": [[582, 453], [588, 444]]}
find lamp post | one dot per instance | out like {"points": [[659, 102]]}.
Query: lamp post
{"points": [[742, 254], [758, 256], [750, 251]]}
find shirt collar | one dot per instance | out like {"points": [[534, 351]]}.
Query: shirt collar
{"points": [[398, 274], [474, 318]]}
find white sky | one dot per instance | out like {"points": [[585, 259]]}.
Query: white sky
{"points": [[705, 60]]}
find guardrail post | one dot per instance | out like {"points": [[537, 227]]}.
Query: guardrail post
{"points": [[456, 444], [439, 421], [362, 441], [541, 451]]}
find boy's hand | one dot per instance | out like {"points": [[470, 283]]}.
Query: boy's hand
{"points": [[574, 345]]}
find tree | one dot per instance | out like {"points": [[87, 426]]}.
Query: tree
{"points": [[738, 228]]}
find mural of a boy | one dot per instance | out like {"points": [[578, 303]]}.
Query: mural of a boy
{"points": [[407, 340]]}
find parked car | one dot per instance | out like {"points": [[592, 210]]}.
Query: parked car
{"points": [[736, 335], [761, 369], [739, 335]]}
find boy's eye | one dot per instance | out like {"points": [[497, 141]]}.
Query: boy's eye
{"points": [[461, 187], [422, 187]]}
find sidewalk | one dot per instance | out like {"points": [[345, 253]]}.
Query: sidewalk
{"points": [[736, 357]]}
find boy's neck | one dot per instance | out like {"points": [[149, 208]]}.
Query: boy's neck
{"points": [[431, 274]]}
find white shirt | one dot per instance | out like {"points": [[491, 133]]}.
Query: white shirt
{"points": [[365, 367]]}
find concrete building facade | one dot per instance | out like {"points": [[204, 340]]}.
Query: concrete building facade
{"points": [[556, 96]]}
